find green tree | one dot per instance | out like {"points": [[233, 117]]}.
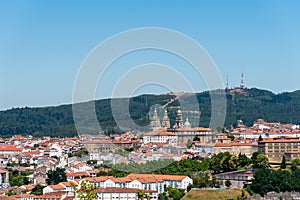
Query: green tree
{"points": [[201, 180], [17, 178], [196, 138], [142, 195], [261, 182], [262, 161], [228, 183], [226, 164], [243, 160], [56, 176], [175, 193], [87, 191], [259, 160], [295, 163], [162, 196], [230, 136], [254, 157], [38, 189], [233, 163], [215, 163], [213, 181], [189, 143], [10, 193], [283, 163]]}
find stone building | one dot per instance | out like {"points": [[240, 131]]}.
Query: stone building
{"points": [[155, 122], [166, 121], [183, 131], [99, 146], [275, 148]]}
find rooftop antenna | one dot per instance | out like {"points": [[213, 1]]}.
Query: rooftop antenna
{"points": [[227, 83], [242, 86]]}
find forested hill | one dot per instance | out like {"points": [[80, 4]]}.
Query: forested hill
{"points": [[248, 105]]}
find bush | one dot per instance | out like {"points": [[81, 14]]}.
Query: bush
{"points": [[228, 183]]}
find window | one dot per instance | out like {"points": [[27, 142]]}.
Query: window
{"points": [[295, 145]]}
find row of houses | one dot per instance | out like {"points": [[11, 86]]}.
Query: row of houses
{"points": [[154, 182], [102, 193]]}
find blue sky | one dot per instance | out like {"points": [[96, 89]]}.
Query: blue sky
{"points": [[43, 43]]}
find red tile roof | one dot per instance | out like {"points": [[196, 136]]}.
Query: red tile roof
{"points": [[150, 177], [157, 133], [77, 174], [53, 195], [121, 190], [24, 195], [10, 148], [37, 152], [57, 187]]}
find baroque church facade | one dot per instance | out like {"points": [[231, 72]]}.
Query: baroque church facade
{"points": [[180, 132]]}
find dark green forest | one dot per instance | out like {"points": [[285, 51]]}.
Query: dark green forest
{"points": [[248, 105]]}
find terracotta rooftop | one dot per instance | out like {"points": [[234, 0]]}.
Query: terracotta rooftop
{"points": [[8, 198], [77, 174], [200, 129], [10, 148], [53, 195], [280, 140], [121, 190], [24, 195], [3, 171], [150, 177], [57, 187], [37, 152], [157, 133]]}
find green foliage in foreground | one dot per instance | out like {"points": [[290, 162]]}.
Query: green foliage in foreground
{"points": [[86, 192], [226, 162], [221, 162], [167, 166], [267, 180], [175, 193]]}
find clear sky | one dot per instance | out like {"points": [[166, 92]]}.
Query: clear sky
{"points": [[43, 43]]}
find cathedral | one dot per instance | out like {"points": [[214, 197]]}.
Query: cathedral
{"points": [[181, 130], [157, 125]]}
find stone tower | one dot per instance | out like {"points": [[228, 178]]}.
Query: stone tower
{"points": [[187, 124], [155, 122], [166, 120], [179, 121]]}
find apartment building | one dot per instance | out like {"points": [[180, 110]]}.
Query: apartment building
{"points": [[275, 148]]}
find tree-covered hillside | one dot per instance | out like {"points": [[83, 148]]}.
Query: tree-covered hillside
{"points": [[248, 105]]}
